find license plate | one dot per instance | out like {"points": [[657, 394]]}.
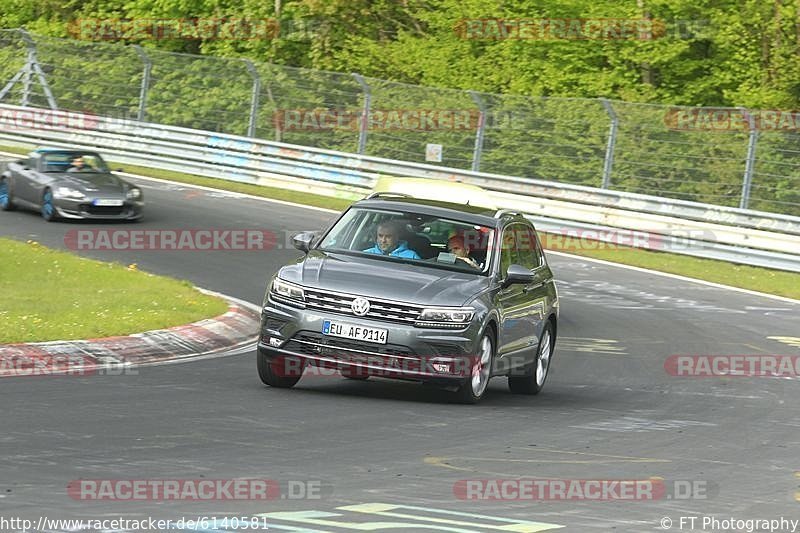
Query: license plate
{"points": [[104, 202], [352, 331]]}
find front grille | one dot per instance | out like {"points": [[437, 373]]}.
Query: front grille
{"points": [[394, 359], [102, 210], [310, 343], [378, 309]]}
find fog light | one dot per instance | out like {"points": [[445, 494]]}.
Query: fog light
{"points": [[275, 342], [441, 367]]}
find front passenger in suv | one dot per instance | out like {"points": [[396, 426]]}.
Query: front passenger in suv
{"points": [[457, 247]]}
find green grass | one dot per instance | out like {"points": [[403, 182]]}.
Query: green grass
{"points": [[52, 295], [754, 278]]}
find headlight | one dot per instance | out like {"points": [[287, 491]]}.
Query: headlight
{"points": [[287, 291], [134, 194], [445, 317], [66, 192]]}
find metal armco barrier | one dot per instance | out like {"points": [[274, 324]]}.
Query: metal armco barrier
{"points": [[739, 235]]}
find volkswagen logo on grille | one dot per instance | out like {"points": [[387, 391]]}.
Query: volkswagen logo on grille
{"points": [[360, 306]]}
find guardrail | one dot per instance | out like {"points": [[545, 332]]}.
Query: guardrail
{"points": [[739, 235]]}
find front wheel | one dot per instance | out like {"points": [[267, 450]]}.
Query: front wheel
{"points": [[6, 199], [473, 389], [48, 209], [535, 375], [281, 372]]}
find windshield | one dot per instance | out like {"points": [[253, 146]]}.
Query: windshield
{"points": [[72, 161], [413, 237]]}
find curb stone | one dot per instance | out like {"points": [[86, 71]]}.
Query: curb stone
{"points": [[237, 328]]}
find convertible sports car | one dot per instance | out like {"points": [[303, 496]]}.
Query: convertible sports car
{"points": [[64, 183]]}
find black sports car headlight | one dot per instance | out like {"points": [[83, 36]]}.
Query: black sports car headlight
{"points": [[134, 194]]}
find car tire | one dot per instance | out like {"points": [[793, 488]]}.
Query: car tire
{"points": [[273, 371], [48, 209], [6, 198], [532, 381], [474, 388]]}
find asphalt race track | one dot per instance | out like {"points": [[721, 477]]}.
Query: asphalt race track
{"points": [[610, 410]]}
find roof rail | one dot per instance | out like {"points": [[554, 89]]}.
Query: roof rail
{"points": [[388, 193], [506, 212]]}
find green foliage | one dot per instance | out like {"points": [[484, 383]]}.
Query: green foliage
{"points": [[540, 95]]}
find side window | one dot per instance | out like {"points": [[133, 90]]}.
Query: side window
{"points": [[508, 248], [527, 247]]}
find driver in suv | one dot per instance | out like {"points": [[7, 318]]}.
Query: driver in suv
{"points": [[388, 242]]}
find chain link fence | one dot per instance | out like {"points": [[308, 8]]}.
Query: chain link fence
{"points": [[697, 154]]}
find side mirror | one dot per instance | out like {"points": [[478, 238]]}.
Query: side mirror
{"points": [[303, 241], [518, 274]]}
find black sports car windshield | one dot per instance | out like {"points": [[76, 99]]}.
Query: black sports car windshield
{"points": [[412, 237], [73, 161]]}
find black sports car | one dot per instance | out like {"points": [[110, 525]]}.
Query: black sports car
{"points": [[63, 183]]}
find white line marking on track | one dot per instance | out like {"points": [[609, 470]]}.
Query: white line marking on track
{"points": [[676, 276]]}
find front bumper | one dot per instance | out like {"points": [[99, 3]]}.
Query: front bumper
{"points": [[83, 209], [423, 354]]}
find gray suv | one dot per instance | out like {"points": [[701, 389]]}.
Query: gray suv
{"points": [[423, 290]]}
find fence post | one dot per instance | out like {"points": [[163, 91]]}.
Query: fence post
{"points": [[32, 67], [749, 165], [480, 132], [10, 84], [148, 67], [364, 124], [608, 163], [251, 126], [26, 82]]}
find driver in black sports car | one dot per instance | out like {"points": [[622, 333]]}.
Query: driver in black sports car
{"points": [[79, 165]]}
